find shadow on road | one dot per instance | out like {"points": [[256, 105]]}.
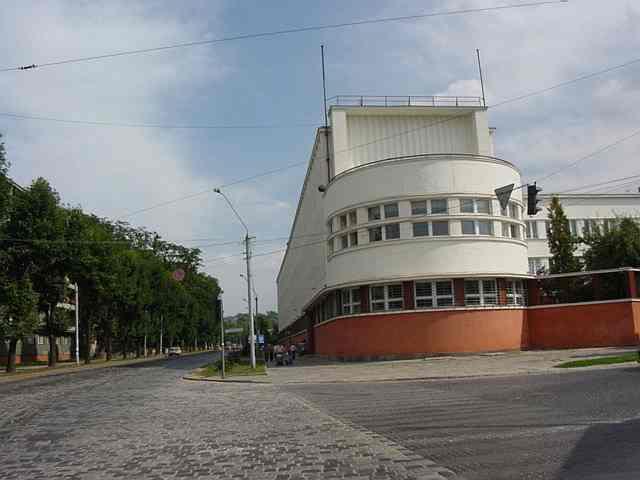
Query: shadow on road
{"points": [[610, 451]]}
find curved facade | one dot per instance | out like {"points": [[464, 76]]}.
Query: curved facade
{"points": [[401, 248]]}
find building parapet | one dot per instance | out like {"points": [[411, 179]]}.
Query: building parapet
{"points": [[405, 101]]}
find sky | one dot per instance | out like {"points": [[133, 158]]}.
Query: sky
{"points": [[276, 82]]}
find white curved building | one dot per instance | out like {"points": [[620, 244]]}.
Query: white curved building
{"points": [[399, 245]]}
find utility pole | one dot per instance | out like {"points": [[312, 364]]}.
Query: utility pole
{"points": [[247, 251], [77, 328], [252, 337], [221, 312]]}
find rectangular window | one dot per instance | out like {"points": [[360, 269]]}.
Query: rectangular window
{"points": [[444, 293], [515, 292], [351, 301], [330, 226], [438, 206], [515, 231], [330, 246], [344, 241], [419, 207], [586, 227], [392, 231], [485, 227], [468, 227], [343, 222], [480, 292], [483, 206], [440, 228], [514, 210], [424, 294], [353, 239], [421, 229], [375, 234], [466, 205], [573, 227], [353, 217], [386, 297], [532, 229], [391, 210], [374, 213]]}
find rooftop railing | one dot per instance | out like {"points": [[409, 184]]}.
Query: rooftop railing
{"points": [[405, 101]]}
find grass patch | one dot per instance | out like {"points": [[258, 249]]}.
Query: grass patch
{"points": [[588, 362], [233, 368]]}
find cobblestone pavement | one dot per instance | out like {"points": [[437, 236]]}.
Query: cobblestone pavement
{"points": [[582, 425], [313, 369], [144, 421]]}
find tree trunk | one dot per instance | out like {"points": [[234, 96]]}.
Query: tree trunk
{"points": [[86, 335], [107, 346], [53, 351], [11, 356]]}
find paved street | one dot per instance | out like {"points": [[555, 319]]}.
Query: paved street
{"points": [[144, 421], [580, 425]]}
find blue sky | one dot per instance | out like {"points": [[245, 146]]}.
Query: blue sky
{"points": [[276, 81]]}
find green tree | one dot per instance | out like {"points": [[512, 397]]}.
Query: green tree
{"points": [[562, 244], [39, 222], [18, 315]]}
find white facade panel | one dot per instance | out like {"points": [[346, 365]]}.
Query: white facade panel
{"points": [[303, 269]]}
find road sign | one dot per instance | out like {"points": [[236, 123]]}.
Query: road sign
{"points": [[504, 194], [232, 330]]}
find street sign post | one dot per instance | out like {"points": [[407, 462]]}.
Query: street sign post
{"points": [[233, 330]]}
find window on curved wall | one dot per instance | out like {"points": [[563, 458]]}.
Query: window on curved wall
{"points": [[392, 231], [343, 221], [374, 213], [344, 241], [375, 234], [351, 301], [386, 297], [421, 229], [353, 239], [438, 206], [330, 246], [515, 292], [353, 217], [480, 292], [475, 205], [419, 207], [391, 210], [433, 293], [440, 228]]}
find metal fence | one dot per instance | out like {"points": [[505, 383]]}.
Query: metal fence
{"points": [[405, 101]]}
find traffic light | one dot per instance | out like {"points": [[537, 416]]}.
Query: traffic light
{"points": [[532, 199]]}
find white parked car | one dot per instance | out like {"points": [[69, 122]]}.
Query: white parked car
{"points": [[174, 352]]}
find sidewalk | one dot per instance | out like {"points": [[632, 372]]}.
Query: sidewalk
{"points": [[67, 368], [314, 369]]}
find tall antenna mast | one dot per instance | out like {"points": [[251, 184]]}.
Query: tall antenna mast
{"points": [[484, 102], [326, 117]]}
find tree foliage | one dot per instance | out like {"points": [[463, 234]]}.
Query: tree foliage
{"points": [[562, 244], [125, 277]]}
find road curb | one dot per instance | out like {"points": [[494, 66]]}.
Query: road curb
{"points": [[193, 378]]}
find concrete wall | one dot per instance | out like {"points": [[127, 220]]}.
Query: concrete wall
{"points": [[407, 334], [596, 324], [303, 268]]}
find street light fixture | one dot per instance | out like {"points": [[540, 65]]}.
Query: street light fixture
{"points": [[247, 248]]}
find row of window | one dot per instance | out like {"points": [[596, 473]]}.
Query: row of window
{"points": [[434, 206], [587, 226], [435, 228], [431, 294]]}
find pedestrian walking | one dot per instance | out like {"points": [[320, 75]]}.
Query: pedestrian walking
{"points": [[292, 352]]}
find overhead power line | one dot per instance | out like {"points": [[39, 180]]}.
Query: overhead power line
{"points": [[153, 125], [606, 183], [275, 33]]}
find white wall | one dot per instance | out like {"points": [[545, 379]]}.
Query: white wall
{"points": [[450, 176], [580, 207], [303, 269], [363, 135]]}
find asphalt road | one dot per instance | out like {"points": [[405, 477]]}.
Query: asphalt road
{"points": [[582, 425]]}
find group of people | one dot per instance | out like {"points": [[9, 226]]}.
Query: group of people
{"points": [[271, 351]]}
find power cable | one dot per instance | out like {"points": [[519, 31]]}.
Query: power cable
{"points": [[275, 33], [599, 184], [154, 125]]}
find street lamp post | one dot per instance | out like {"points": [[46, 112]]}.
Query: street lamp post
{"points": [[77, 327], [247, 248]]}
